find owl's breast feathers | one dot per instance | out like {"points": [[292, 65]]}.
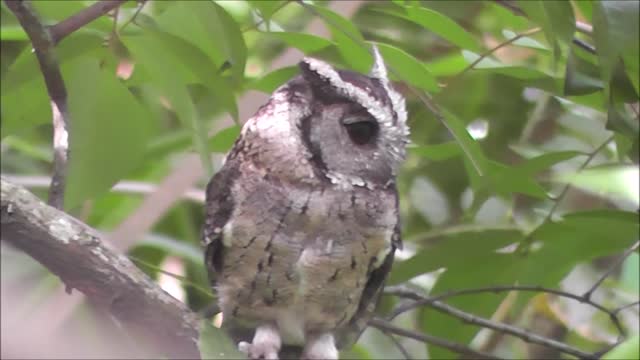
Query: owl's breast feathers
{"points": [[310, 257]]}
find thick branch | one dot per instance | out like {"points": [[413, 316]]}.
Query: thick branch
{"points": [[67, 26], [43, 47], [74, 252]]}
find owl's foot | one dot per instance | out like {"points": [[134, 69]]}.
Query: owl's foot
{"points": [[321, 347], [265, 345]]}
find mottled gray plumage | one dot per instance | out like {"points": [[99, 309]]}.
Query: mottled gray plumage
{"points": [[302, 220]]}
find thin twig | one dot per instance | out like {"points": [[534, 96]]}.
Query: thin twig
{"points": [[505, 328], [429, 339], [397, 344], [584, 45], [43, 47], [421, 300], [257, 24], [133, 17], [523, 247], [498, 47], [67, 26], [619, 260], [624, 307]]}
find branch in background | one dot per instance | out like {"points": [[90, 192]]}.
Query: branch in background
{"points": [[496, 48], [124, 186], [420, 299], [611, 269], [397, 344], [133, 17], [67, 26], [43, 45], [524, 245], [74, 252], [627, 306], [386, 326], [523, 334], [582, 27]]}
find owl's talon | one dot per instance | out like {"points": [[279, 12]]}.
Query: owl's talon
{"points": [[244, 347], [321, 347], [265, 345]]}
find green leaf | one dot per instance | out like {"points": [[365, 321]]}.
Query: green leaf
{"points": [[193, 66], [451, 248], [208, 26], [170, 75], [629, 349], [619, 180], [307, 43], [25, 106], [584, 7], [12, 33], [266, 8], [488, 269], [274, 79], [437, 152], [471, 148], [25, 101], [506, 180], [224, 139], [489, 64], [542, 162], [408, 68], [556, 19], [447, 65], [577, 238], [441, 25], [216, 344], [524, 41], [109, 130], [348, 38], [616, 33], [581, 76]]}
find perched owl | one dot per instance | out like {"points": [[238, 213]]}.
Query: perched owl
{"points": [[302, 220]]}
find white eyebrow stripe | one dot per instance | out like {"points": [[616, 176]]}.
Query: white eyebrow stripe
{"points": [[375, 108]]}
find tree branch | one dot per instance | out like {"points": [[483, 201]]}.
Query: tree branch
{"points": [[619, 260], [523, 334], [386, 326], [43, 47], [67, 26], [74, 252], [124, 186], [434, 301]]}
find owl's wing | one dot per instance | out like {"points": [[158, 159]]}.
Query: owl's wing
{"points": [[349, 334], [218, 209]]}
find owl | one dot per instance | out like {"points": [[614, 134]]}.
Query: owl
{"points": [[301, 221]]}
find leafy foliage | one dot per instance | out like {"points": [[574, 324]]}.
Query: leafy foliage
{"points": [[170, 80]]}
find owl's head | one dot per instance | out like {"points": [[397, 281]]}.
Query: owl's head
{"points": [[356, 131], [332, 125]]}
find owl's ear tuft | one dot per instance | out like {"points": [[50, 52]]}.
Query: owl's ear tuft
{"points": [[317, 73], [379, 69]]}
